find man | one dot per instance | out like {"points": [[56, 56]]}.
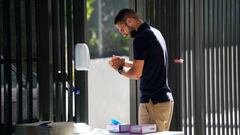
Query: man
{"points": [[149, 65]]}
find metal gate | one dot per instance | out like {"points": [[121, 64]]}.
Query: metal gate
{"points": [[36, 49], [205, 34], [209, 42]]}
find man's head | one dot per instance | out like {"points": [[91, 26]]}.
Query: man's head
{"points": [[127, 22]]}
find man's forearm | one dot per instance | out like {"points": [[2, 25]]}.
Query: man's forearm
{"points": [[128, 63], [129, 73]]}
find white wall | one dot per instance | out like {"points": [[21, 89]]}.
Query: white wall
{"points": [[108, 94]]}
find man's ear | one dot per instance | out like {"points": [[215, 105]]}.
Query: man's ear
{"points": [[129, 21]]}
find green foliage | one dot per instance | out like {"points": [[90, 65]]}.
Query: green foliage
{"points": [[112, 41], [114, 36], [120, 41], [124, 44], [93, 40], [90, 9]]}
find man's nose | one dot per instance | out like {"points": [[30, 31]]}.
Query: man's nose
{"points": [[123, 33]]}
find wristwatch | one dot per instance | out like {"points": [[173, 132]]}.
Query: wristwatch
{"points": [[120, 70]]}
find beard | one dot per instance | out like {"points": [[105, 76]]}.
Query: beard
{"points": [[132, 31]]}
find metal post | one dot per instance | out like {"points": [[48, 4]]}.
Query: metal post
{"points": [[63, 53], [133, 83], [1, 61], [44, 64], [81, 77], [69, 4], [28, 9], [18, 60], [81, 99], [7, 67], [199, 111]]}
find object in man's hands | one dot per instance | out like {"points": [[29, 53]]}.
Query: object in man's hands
{"points": [[120, 70]]}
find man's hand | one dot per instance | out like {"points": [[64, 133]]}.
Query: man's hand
{"points": [[117, 62], [132, 70]]}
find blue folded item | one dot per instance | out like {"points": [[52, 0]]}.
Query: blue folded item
{"points": [[115, 122], [45, 124]]}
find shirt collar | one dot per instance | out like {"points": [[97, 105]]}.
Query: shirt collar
{"points": [[142, 27]]}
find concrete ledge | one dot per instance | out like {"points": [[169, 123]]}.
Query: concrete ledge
{"points": [[45, 128]]}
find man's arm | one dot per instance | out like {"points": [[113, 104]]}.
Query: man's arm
{"points": [[128, 64], [135, 71], [132, 70], [120, 61]]}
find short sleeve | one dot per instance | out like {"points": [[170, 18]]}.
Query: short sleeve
{"points": [[139, 49]]}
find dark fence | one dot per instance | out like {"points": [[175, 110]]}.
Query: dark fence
{"points": [[36, 49], [209, 33], [205, 34]]}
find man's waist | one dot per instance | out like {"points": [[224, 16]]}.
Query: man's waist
{"points": [[153, 91], [157, 97], [155, 88]]}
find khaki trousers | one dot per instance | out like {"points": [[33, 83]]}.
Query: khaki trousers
{"points": [[159, 114]]}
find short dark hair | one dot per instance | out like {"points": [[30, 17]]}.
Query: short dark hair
{"points": [[122, 14]]}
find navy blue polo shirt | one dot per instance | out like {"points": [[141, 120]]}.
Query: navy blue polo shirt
{"points": [[149, 45]]}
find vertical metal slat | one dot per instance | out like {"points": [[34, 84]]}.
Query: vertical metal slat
{"points": [[1, 61], [151, 12], [1, 109], [218, 76], [200, 31], [191, 80], [7, 67], [44, 51], [237, 34], [221, 17], [188, 114], [183, 71], [230, 67], [29, 37], [213, 49], [63, 8], [234, 64], [81, 82], [70, 56], [186, 22], [56, 62], [62, 17], [19, 60], [207, 38], [224, 70], [227, 70], [157, 14]]}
